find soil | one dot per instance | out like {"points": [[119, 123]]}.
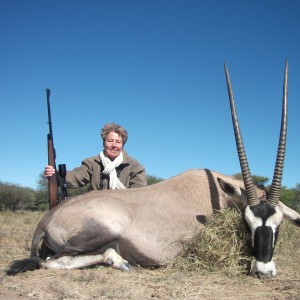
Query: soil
{"points": [[163, 283], [106, 283]]}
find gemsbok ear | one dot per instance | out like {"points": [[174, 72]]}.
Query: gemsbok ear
{"points": [[233, 190], [236, 191], [290, 214]]}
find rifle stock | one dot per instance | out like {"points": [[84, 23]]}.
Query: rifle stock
{"points": [[52, 181], [53, 194]]}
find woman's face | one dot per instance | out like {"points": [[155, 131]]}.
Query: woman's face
{"points": [[113, 145]]}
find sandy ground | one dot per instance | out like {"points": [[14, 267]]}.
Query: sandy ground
{"points": [[164, 283]]}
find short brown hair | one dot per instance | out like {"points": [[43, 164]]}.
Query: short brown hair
{"points": [[113, 127]]}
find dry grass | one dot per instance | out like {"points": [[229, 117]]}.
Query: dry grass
{"points": [[202, 272], [221, 247], [16, 231]]}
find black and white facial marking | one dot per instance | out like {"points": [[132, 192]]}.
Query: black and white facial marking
{"points": [[264, 221]]}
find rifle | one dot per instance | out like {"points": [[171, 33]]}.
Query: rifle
{"points": [[54, 181]]}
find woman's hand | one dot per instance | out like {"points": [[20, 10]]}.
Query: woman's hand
{"points": [[49, 171]]}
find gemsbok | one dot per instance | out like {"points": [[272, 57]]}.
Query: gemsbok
{"points": [[145, 226]]}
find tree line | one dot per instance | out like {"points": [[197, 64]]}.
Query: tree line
{"points": [[15, 197]]}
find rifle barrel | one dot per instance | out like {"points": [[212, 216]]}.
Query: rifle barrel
{"points": [[48, 92]]}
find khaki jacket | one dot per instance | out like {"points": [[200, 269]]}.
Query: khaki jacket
{"points": [[130, 172]]}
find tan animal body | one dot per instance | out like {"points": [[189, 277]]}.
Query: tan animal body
{"points": [[145, 226]]}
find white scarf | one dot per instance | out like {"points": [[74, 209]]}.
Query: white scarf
{"points": [[110, 169]]}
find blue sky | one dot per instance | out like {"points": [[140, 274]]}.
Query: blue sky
{"points": [[157, 68]]}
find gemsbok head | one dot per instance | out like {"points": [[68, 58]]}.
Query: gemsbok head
{"points": [[263, 217]]}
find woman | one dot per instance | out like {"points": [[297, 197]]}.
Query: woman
{"points": [[112, 169]]}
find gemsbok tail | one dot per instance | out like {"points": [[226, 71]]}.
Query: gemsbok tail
{"points": [[28, 264], [24, 265]]}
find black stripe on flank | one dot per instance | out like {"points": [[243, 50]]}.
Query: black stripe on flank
{"points": [[214, 193]]}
